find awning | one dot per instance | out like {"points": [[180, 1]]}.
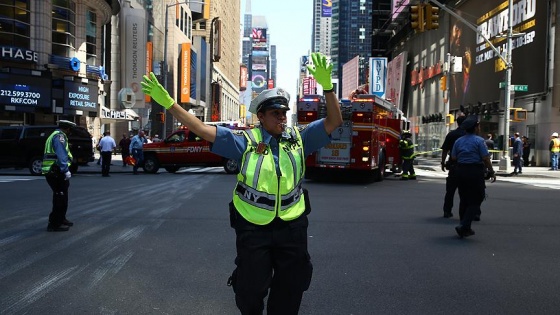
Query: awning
{"points": [[113, 115]]}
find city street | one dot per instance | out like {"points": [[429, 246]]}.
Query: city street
{"points": [[161, 244]]}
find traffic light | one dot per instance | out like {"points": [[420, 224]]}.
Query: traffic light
{"points": [[417, 17], [449, 119], [443, 83], [431, 17], [518, 114]]}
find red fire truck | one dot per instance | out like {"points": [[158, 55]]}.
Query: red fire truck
{"points": [[367, 142]]}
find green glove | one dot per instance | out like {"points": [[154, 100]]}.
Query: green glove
{"points": [[321, 70], [151, 87]]}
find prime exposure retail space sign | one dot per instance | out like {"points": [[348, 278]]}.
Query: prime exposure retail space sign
{"points": [[24, 90], [79, 96]]}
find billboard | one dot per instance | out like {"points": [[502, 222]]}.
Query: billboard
{"points": [[79, 96], [396, 69], [377, 76], [21, 90], [243, 78], [259, 81], [185, 80], [326, 8], [398, 7], [133, 51], [482, 68], [258, 35]]}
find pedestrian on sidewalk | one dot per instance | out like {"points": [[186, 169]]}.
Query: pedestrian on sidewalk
{"points": [[517, 154], [451, 182], [269, 207], [554, 148], [56, 162], [124, 144], [136, 148], [106, 145], [526, 150], [473, 166]]}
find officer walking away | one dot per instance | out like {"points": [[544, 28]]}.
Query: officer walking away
{"points": [[526, 150], [269, 207], [56, 162], [554, 148], [473, 167], [517, 155], [106, 146], [451, 182], [137, 150], [406, 149]]}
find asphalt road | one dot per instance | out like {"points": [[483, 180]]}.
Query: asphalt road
{"points": [[161, 244]]}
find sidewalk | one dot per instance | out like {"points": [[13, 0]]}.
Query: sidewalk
{"points": [[433, 164]]}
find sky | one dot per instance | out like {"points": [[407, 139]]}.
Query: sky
{"points": [[289, 28]]}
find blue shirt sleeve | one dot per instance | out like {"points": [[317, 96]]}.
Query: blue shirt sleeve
{"points": [[314, 136], [228, 144], [59, 146]]}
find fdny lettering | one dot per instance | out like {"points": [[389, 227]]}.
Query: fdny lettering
{"points": [[250, 196], [196, 149]]}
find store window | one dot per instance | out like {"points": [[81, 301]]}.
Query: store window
{"points": [[63, 28], [91, 37], [14, 23]]}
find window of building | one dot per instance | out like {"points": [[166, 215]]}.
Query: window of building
{"points": [[63, 27], [91, 37], [14, 23]]}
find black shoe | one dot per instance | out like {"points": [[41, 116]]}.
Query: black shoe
{"points": [[462, 232], [61, 228], [66, 222], [447, 214], [476, 217]]}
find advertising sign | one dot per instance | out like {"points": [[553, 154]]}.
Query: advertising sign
{"points": [[326, 8], [79, 96], [185, 72], [395, 79], [242, 78], [482, 68], [133, 50], [259, 81], [21, 90], [377, 76], [398, 7], [258, 35]]}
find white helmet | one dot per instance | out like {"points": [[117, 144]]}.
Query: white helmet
{"points": [[555, 134], [273, 98]]}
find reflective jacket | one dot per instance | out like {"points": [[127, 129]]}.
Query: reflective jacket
{"points": [[260, 194], [555, 145], [50, 156], [406, 148]]}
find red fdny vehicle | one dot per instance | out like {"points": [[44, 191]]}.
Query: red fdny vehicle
{"points": [[184, 148], [366, 144]]}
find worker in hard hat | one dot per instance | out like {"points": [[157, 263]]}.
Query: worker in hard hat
{"points": [[269, 207], [554, 148]]}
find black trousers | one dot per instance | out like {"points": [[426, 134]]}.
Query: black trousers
{"points": [[106, 162], [59, 187], [451, 185], [472, 191], [408, 168], [272, 257]]}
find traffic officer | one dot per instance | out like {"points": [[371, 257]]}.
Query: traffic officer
{"points": [[473, 165], [451, 182], [406, 149], [269, 208], [56, 162]]}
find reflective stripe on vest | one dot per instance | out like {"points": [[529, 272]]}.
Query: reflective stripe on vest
{"points": [[556, 145], [49, 156], [407, 149], [260, 194]]}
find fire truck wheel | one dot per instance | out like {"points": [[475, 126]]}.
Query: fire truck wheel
{"points": [[231, 167], [151, 164]]}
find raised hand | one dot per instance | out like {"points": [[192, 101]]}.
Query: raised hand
{"points": [[321, 70], [151, 87]]}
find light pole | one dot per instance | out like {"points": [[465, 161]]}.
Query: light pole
{"points": [[164, 70]]}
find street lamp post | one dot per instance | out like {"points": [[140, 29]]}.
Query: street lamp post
{"points": [[505, 162], [164, 70]]}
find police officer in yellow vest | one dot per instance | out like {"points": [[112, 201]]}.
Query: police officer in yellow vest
{"points": [[56, 161], [269, 208], [406, 149]]}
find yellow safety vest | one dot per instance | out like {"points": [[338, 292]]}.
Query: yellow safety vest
{"points": [[260, 194], [49, 156], [556, 145]]}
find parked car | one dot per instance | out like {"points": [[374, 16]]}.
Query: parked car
{"points": [[23, 146]]}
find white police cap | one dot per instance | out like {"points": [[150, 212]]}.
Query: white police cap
{"points": [[66, 123], [273, 98]]}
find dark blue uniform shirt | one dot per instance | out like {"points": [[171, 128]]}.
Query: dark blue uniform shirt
{"points": [[469, 149]]}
